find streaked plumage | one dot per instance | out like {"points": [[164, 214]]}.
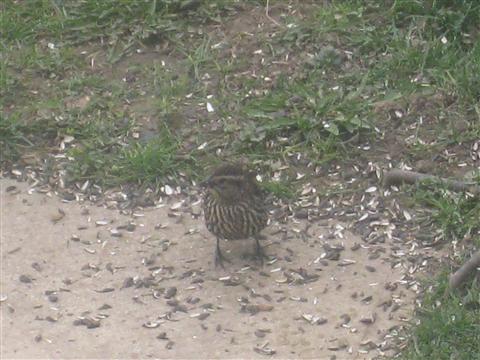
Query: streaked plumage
{"points": [[234, 206]]}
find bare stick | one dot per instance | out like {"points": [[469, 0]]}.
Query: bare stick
{"points": [[267, 10], [398, 177], [457, 278]]}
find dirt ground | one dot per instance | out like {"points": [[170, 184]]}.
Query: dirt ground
{"points": [[89, 282]]}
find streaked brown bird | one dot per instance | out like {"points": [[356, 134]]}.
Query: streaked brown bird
{"points": [[234, 207]]}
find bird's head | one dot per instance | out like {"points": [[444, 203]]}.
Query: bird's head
{"points": [[230, 183]]}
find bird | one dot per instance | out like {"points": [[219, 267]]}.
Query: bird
{"points": [[234, 207]]}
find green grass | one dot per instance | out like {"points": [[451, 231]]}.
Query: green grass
{"points": [[401, 47], [327, 100], [458, 215], [281, 189], [115, 22], [12, 138], [449, 325], [397, 50], [141, 164], [41, 58]]}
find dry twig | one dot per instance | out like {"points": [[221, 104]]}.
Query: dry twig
{"points": [[398, 177], [267, 10], [457, 278]]}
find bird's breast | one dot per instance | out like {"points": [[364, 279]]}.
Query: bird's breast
{"points": [[234, 222]]}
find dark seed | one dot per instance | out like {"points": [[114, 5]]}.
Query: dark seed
{"points": [[367, 299], [128, 282], [106, 290], [321, 321], [90, 323], [181, 308], [68, 196], [345, 319], [162, 336], [109, 267], [203, 316], [172, 302], [255, 308], [193, 300], [150, 260], [25, 279], [259, 333], [355, 247], [301, 214], [51, 319], [104, 307], [391, 286], [367, 321], [170, 292], [395, 307], [37, 266], [232, 282], [15, 250]]}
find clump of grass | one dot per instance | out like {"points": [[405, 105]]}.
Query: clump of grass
{"points": [[150, 162], [280, 189], [139, 163], [307, 112], [330, 97], [121, 25], [457, 214], [26, 22], [441, 46], [12, 139]]}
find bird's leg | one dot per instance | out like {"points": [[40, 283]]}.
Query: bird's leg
{"points": [[219, 258], [259, 250]]}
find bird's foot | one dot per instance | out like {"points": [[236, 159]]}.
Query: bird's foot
{"points": [[260, 254], [219, 259]]}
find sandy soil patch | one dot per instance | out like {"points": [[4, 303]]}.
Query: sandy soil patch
{"points": [[90, 282]]}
